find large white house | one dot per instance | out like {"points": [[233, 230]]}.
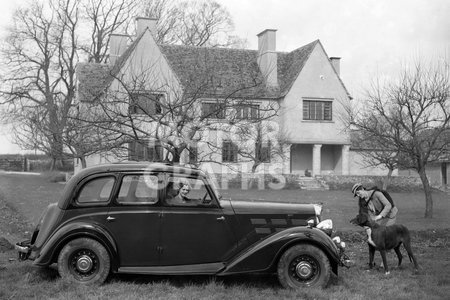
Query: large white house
{"points": [[304, 84]]}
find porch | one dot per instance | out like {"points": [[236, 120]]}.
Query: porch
{"points": [[319, 159]]}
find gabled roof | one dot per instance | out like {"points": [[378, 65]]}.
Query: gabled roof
{"points": [[212, 72], [290, 65], [94, 78]]}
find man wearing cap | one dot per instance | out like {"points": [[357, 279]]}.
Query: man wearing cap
{"points": [[379, 208]]}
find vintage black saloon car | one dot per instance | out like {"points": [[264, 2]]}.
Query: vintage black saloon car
{"points": [[126, 218]]}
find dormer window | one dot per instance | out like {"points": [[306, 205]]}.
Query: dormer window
{"points": [[146, 103]]}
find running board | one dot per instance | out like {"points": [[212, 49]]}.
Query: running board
{"points": [[211, 268]]}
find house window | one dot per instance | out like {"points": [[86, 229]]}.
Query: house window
{"points": [[229, 151], [214, 110], [317, 110], [145, 103], [247, 112], [145, 151], [262, 151]]}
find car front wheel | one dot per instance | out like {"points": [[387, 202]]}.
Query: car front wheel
{"points": [[84, 261], [304, 266]]}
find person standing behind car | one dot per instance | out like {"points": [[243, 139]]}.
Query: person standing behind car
{"points": [[379, 208]]}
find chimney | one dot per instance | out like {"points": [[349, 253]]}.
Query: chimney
{"points": [[117, 46], [143, 23], [267, 57], [336, 63]]}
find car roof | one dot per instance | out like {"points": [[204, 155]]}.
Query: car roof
{"points": [[124, 167], [140, 166]]}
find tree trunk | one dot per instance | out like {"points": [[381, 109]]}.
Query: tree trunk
{"points": [[387, 180], [255, 165], [56, 163], [428, 197], [83, 162]]}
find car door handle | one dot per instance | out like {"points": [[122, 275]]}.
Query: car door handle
{"points": [[110, 219], [222, 218]]}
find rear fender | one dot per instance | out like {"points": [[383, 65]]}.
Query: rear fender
{"points": [[50, 250], [261, 256]]}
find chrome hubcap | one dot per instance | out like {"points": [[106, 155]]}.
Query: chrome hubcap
{"points": [[304, 269], [84, 263]]}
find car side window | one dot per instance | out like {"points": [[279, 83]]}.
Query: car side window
{"points": [[185, 191], [138, 189], [97, 190]]}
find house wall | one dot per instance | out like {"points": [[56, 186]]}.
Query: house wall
{"points": [[434, 173], [331, 159], [301, 158], [317, 80], [359, 167], [152, 70], [210, 151]]}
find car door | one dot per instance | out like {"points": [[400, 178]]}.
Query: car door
{"points": [[134, 220], [197, 231]]}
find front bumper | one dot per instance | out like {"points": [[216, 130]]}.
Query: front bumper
{"points": [[24, 249]]}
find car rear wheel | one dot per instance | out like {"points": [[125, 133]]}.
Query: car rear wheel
{"points": [[84, 261], [304, 266]]}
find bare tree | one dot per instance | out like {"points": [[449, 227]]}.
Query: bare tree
{"points": [[101, 18], [193, 23], [261, 141], [38, 79], [82, 139], [377, 152], [39, 59], [410, 119]]}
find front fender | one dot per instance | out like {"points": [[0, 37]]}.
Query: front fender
{"points": [[52, 246], [261, 256]]}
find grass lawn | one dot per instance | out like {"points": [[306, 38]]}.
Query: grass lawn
{"points": [[340, 206], [22, 199]]}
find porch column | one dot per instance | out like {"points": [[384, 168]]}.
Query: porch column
{"points": [[286, 160], [316, 163], [346, 160]]}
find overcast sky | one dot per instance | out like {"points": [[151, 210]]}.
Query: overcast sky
{"points": [[373, 37]]}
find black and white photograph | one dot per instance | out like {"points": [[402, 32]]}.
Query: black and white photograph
{"points": [[224, 149]]}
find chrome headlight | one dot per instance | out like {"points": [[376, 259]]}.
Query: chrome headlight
{"points": [[326, 226]]}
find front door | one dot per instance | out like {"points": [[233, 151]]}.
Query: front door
{"points": [[194, 229]]}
